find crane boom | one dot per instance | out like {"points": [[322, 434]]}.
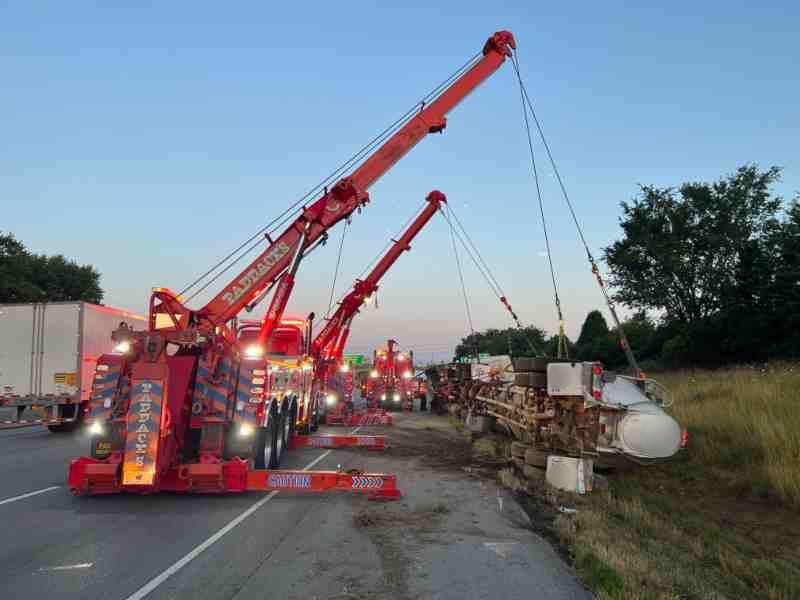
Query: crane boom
{"points": [[341, 201], [339, 323]]}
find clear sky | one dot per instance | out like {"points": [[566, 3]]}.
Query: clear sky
{"points": [[150, 138]]}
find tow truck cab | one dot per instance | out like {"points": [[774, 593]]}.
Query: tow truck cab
{"points": [[289, 376]]}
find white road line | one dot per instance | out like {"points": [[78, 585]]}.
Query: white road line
{"points": [[29, 494], [158, 580], [67, 567]]}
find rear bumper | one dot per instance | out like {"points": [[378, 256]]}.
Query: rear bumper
{"points": [[88, 476]]}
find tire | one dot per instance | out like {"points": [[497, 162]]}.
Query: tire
{"points": [[289, 424], [280, 440], [535, 363], [266, 442], [71, 426], [532, 379], [533, 473], [518, 449], [536, 458]]}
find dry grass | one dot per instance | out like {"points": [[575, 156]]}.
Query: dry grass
{"points": [[722, 520], [745, 425]]}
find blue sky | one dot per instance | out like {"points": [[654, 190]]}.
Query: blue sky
{"points": [[148, 139]]}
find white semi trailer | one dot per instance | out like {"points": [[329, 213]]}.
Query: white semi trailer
{"points": [[48, 353]]}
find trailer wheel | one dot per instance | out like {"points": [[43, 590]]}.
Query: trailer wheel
{"points": [[532, 379], [536, 458], [70, 411], [536, 364]]}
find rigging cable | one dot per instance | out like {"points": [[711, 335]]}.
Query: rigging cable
{"points": [[487, 274], [284, 216], [595, 269], [336, 271], [463, 286], [562, 350]]}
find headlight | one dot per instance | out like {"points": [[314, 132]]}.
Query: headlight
{"points": [[407, 375], [396, 397], [307, 366], [123, 347], [401, 356], [96, 428], [246, 430], [344, 368], [383, 396], [254, 351], [330, 399], [374, 373]]}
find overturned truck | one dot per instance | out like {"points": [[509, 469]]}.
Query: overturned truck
{"points": [[563, 407]]}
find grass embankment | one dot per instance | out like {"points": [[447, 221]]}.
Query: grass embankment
{"points": [[722, 520]]}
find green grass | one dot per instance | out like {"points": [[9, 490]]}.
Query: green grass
{"points": [[721, 520], [744, 425]]}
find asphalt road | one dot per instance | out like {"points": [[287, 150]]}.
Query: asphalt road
{"points": [[54, 545]]}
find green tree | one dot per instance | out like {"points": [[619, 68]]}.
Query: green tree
{"points": [[681, 250], [27, 277], [783, 295], [551, 346], [594, 328], [513, 341]]}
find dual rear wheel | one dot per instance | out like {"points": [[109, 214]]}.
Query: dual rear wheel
{"points": [[273, 439]]}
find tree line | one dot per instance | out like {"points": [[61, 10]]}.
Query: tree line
{"points": [[29, 277], [711, 272]]}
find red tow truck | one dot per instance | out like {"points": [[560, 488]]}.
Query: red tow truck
{"points": [[328, 346], [187, 406], [391, 382]]}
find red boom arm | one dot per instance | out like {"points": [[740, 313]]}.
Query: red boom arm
{"points": [[338, 326], [339, 202]]}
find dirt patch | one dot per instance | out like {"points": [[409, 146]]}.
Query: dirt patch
{"points": [[394, 530]]}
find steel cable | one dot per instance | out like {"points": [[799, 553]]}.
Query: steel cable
{"points": [[283, 217], [336, 271], [561, 338]]}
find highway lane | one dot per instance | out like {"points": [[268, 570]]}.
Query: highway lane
{"points": [[32, 458], [59, 546], [255, 546]]}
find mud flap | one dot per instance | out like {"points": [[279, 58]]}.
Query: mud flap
{"points": [[146, 413]]}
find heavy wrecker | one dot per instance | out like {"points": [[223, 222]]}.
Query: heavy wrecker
{"points": [[188, 406], [390, 383], [328, 346]]}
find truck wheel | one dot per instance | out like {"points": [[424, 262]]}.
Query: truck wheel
{"points": [[532, 379], [536, 458], [280, 445], [266, 443], [289, 424], [535, 363]]}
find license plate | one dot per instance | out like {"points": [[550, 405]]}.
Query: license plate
{"points": [[102, 448]]}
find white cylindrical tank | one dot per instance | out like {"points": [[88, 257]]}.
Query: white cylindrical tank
{"points": [[646, 431]]}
